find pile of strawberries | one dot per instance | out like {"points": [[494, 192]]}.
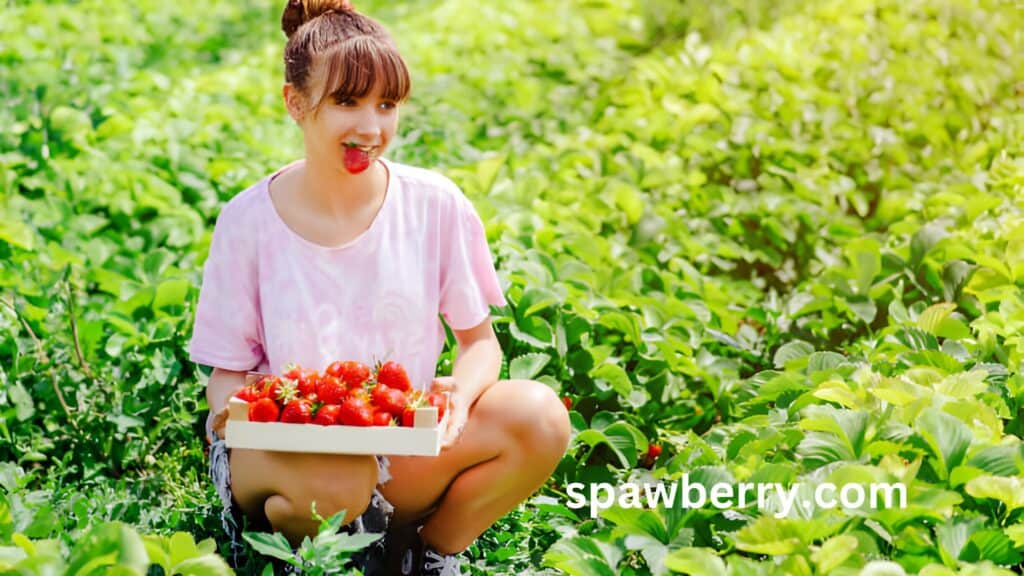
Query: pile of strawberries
{"points": [[347, 393]]}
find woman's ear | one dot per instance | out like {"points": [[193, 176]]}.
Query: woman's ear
{"points": [[295, 102]]}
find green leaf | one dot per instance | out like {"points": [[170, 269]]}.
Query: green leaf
{"points": [[1008, 490], [932, 318], [582, 556], [527, 366], [108, 545], [865, 259], [205, 565], [171, 293], [696, 561], [772, 536], [947, 437], [834, 552], [923, 241], [615, 377], [274, 545], [629, 201], [637, 521], [790, 351]]}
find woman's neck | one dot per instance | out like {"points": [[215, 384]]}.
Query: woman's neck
{"points": [[337, 193]]}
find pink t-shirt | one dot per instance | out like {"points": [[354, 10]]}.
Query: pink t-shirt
{"points": [[270, 297]]}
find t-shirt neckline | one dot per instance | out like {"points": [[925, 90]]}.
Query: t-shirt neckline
{"points": [[388, 193]]}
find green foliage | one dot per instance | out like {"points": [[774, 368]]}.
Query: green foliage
{"points": [[781, 240]]}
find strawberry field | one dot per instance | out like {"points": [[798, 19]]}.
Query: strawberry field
{"points": [[782, 242]]}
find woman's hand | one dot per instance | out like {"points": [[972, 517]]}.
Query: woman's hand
{"points": [[220, 422], [458, 409]]}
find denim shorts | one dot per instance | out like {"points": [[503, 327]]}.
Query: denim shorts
{"points": [[375, 519]]}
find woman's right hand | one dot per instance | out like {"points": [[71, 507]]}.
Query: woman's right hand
{"points": [[220, 422], [222, 386]]}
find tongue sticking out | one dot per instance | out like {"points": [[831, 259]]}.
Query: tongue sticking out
{"points": [[356, 160]]}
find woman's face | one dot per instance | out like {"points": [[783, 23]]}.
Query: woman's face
{"points": [[369, 122]]}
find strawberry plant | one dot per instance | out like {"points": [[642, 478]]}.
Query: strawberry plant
{"points": [[764, 242]]}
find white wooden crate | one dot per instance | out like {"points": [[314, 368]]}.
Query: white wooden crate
{"points": [[422, 439]]}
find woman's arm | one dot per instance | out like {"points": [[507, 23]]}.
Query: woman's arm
{"points": [[222, 386], [477, 363], [477, 366]]}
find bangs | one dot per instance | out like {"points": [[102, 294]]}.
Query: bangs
{"points": [[355, 67]]}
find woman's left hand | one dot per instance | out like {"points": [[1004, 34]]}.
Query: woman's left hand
{"points": [[458, 410]]}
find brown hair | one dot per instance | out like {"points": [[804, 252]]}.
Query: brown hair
{"points": [[355, 50]]}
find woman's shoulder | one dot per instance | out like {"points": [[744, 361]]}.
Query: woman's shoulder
{"points": [[248, 206]]}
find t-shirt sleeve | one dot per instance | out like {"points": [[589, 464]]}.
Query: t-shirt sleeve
{"points": [[226, 331], [469, 282]]}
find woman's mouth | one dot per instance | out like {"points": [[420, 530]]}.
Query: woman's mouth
{"points": [[357, 158]]}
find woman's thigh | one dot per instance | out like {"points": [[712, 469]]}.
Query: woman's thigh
{"points": [[334, 481], [418, 483]]}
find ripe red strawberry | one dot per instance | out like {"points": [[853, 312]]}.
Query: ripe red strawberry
{"points": [[263, 410], [307, 383], [356, 159], [653, 451], [392, 374], [298, 412], [282, 391], [271, 387], [305, 379], [330, 390], [389, 400], [381, 418], [567, 402], [408, 417], [351, 372], [439, 400], [248, 394], [292, 371], [327, 415], [356, 411]]}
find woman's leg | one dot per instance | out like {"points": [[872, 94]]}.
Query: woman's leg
{"points": [[518, 430], [281, 486]]}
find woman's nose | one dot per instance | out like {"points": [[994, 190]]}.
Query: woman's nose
{"points": [[368, 124]]}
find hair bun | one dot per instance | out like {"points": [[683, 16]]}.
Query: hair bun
{"points": [[298, 12]]}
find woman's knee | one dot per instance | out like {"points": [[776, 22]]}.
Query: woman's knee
{"points": [[540, 421], [329, 489]]}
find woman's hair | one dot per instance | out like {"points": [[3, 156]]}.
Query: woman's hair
{"points": [[352, 50]]}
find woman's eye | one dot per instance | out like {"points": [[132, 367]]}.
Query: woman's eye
{"points": [[345, 102], [388, 105]]}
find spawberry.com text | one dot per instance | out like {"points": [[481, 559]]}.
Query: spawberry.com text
{"points": [[781, 499]]}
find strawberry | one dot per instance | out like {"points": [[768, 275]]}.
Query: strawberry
{"points": [[389, 400], [282, 391], [408, 416], [248, 394], [271, 387], [653, 451], [263, 410], [356, 159], [356, 411], [298, 411], [439, 400], [567, 402], [305, 379], [307, 383], [327, 415], [292, 371], [392, 374], [382, 418], [352, 372], [330, 390]]}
